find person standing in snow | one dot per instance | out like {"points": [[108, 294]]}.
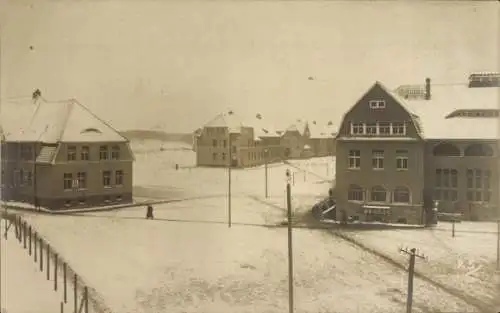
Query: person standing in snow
{"points": [[149, 212]]}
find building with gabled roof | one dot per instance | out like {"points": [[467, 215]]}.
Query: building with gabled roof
{"points": [[398, 154], [59, 154], [252, 142]]}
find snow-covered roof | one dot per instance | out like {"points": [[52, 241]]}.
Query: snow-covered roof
{"points": [[28, 120], [227, 120], [446, 99], [319, 131], [299, 126], [261, 128]]}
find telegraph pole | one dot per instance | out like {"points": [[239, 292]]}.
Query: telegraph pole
{"points": [[411, 272], [266, 151], [290, 246], [229, 179]]}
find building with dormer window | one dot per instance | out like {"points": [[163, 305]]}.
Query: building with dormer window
{"points": [[399, 156], [59, 155]]}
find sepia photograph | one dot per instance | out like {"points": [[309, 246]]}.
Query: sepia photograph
{"points": [[249, 156]]}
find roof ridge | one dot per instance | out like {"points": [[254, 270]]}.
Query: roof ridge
{"points": [[66, 119], [98, 118]]}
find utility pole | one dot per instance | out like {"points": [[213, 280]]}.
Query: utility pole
{"points": [[498, 244], [411, 272], [290, 246], [266, 151], [229, 179]]}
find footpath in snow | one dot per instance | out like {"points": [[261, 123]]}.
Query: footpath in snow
{"points": [[24, 288]]}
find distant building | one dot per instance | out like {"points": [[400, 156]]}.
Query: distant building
{"points": [[395, 156], [61, 155], [305, 140], [254, 142]]}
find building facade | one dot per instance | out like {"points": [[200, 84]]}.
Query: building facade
{"points": [[255, 143], [59, 155], [399, 152]]}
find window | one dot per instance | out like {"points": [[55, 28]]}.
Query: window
{"points": [[119, 198], [84, 153], [371, 129], [26, 152], [399, 128], [71, 153], [401, 195], [82, 180], [115, 153], [224, 143], [106, 179], [21, 177], [81, 201], [223, 156], [355, 193], [214, 156], [478, 185], [357, 128], [234, 149], [354, 159], [384, 128], [446, 149], [214, 143], [103, 153], [401, 160], [446, 188], [377, 104], [29, 178], [119, 178], [378, 159], [68, 181], [378, 194]]}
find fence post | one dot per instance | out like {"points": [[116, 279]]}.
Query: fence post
{"points": [[62, 307], [75, 292], [56, 263], [86, 299], [24, 234], [65, 283], [40, 242], [47, 266], [29, 240], [35, 245]]}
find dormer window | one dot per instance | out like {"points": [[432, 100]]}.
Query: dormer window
{"points": [[91, 130], [377, 104]]}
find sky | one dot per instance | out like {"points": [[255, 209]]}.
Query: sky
{"points": [[174, 65]]}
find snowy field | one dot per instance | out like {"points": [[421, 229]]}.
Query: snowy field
{"points": [[24, 288], [189, 260], [466, 262], [200, 265], [155, 175]]}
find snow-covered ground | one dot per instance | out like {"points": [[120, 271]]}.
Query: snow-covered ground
{"points": [[188, 260], [165, 265], [24, 288], [155, 170], [466, 262]]}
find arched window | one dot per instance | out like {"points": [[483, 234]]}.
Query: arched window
{"points": [[91, 130], [378, 194], [446, 149], [478, 150], [401, 195], [355, 193]]}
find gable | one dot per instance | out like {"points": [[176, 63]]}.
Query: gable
{"points": [[387, 107], [81, 125]]}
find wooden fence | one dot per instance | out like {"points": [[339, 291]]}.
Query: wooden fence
{"points": [[55, 267]]}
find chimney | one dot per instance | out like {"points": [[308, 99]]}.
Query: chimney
{"points": [[427, 89], [258, 116], [314, 122], [230, 112]]}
